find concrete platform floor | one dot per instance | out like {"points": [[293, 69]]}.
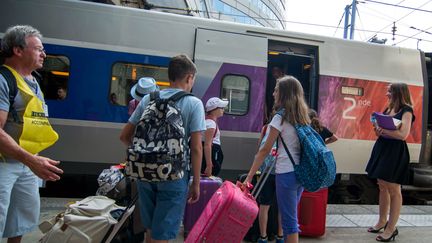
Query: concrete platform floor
{"points": [[345, 223]]}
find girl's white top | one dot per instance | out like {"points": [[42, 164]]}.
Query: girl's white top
{"points": [[212, 124], [289, 135]]}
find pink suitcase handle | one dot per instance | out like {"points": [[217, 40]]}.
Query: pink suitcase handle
{"points": [[245, 188]]}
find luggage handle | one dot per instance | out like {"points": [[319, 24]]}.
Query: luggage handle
{"points": [[128, 208], [245, 188], [261, 181]]}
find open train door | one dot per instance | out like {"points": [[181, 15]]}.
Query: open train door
{"points": [[233, 66]]}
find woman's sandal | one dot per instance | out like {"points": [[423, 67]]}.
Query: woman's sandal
{"points": [[373, 230], [391, 238]]}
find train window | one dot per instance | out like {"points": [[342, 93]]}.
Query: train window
{"points": [[235, 89], [125, 75], [55, 77]]}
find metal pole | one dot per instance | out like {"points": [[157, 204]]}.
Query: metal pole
{"points": [[353, 15], [345, 34]]}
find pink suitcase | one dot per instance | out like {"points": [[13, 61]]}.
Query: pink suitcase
{"points": [[227, 217], [208, 186], [312, 213]]}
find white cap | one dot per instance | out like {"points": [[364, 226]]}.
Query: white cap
{"points": [[144, 86], [214, 103]]}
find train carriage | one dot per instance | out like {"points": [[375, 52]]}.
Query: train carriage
{"points": [[97, 52]]}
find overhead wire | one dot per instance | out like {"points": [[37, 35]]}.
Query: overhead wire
{"points": [[340, 21], [411, 37], [396, 21], [380, 16], [400, 6], [288, 21], [361, 22]]}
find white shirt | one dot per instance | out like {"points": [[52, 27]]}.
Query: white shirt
{"points": [[212, 124], [289, 135]]}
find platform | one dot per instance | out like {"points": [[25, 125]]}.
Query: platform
{"points": [[345, 223]]}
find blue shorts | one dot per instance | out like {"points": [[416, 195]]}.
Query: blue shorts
{"points": [[162, 206], [19, 199], [288, 193]]}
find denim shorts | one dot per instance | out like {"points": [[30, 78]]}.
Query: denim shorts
{"points": [[162, 206], [19, 199], [288, 192]]}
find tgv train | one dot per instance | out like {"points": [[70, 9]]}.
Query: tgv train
{"points": [[98, 52]]}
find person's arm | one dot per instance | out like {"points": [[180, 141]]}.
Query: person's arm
{"points": [[331, 139], [262, 153], [128, 130], [376, 130], [401, 133], [196, 157], [263, 131], [208, 150], [44, 168], [127, 133]]}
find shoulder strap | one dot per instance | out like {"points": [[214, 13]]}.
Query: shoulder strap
{"points": [[177, 96], [217, 127], [154, 95], [287, 150], [11, 82], [13, 89], [281, 113]]}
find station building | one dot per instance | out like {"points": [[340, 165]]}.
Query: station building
{"points": [[267, 13]]}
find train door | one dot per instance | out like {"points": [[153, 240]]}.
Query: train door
{"points": [[428, 63], [426, 153], [297, 60], [233, 66]]}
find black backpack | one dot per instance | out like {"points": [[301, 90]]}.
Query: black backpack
{"points": [[13, 89], [159, 148], [11, 82]]}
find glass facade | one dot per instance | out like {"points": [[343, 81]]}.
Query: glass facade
{"points": [[269, 13]]}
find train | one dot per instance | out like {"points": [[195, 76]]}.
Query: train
{"points": [[97, 52]]}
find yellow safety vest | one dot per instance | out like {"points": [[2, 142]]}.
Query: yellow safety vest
{"points": [[37, 133]]}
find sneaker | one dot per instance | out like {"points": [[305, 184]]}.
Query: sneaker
{"points": [[262, 240], [279, 239]]}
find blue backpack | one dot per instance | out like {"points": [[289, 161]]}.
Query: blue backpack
{"points": [[317, 167]]}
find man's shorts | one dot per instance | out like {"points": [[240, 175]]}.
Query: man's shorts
{"points": [[19, 199], [162, 206], [268, 192]]}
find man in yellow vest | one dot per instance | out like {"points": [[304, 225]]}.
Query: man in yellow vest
{"points": [[23, 135]]}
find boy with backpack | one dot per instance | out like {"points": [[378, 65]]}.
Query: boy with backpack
{"points": [[158, 134]]}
